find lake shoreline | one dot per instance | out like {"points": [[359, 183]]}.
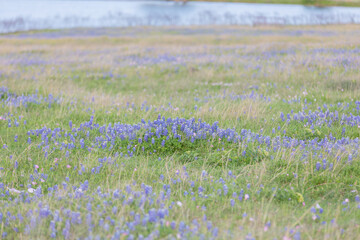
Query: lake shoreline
{"points": [[21, 15], [291, 2]]}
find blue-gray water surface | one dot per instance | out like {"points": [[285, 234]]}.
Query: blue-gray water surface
{"points": [[20, 15]]}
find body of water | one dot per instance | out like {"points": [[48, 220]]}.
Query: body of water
{"points": [[20, 15]]}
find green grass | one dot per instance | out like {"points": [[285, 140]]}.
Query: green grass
{"points": [[242, 81]]}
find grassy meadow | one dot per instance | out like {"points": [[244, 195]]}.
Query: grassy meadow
{"points": [[180, 133]]}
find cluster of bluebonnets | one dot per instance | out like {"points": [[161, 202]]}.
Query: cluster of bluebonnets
{"points": [[130, 139], [11, 99], [325, 117]]}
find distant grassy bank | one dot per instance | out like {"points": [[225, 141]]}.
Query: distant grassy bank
{"points": [[345, 3]]}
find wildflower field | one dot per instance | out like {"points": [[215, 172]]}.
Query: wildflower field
{"points": [[180, 133]]}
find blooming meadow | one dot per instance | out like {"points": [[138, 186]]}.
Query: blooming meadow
{"points": [[180, 133]]}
